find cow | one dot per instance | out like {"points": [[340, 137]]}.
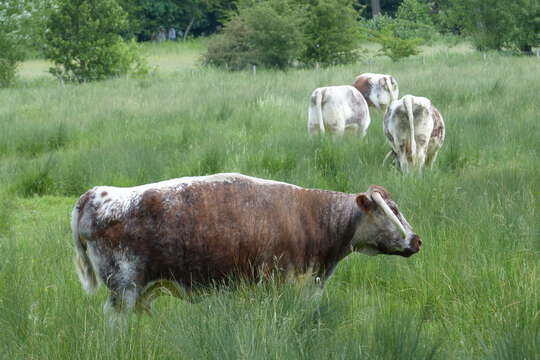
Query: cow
{"points": [[415, 131], [336, 109], [379, 90], [195, 233]]}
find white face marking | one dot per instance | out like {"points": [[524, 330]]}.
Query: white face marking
{"points": [[379, 96]]}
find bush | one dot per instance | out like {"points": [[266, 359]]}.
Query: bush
{"points": [[413, 21], [268, 34], [11, 52], [276, 33], [332, 32], [394, 47], [83, 41], [497, 24], [401, 28]]}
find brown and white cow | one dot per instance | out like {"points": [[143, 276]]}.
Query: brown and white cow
{"points": [[379, 90], [337, 109], [196, 232], [415, 130]]}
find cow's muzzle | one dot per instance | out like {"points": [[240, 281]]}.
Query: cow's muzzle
{"points": [[414, 246]]}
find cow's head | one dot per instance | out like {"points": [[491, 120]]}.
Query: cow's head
{"points": [[382, 228], [389, 90], [389, 85]]}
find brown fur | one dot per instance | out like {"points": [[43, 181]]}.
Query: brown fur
{"points": [[209, 233], [363, 85], [438, 126]]}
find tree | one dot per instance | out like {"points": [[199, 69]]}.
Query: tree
{"points": [[188, 16], [84, 43], [375, 7], [498, 24], [332, 32], [13, 14]]}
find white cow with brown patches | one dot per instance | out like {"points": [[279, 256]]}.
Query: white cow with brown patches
{"points": [[193, 233], [379, 90], [415, 131], [337, 109]]}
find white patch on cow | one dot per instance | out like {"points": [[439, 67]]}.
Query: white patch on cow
{"points": [[379, 96], [410, 148], [118, 201], [337, 109], [127, 268]]}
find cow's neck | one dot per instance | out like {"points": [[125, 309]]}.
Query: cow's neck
{"points": [[338, 230]]}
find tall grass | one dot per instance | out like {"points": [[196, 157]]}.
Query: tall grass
{"points": [[470, 293]]}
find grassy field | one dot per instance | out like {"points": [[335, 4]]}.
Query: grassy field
{"points": [[471, 293]]}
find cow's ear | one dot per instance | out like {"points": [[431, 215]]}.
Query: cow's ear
{"points": [[364, 202]]}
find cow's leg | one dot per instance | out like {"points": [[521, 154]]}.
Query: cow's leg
{"points": [[120, 304], [313, 130], [431, 159], [122, 275], [403, 161], [433, 150]]}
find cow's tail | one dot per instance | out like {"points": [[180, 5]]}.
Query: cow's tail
{"points": [[318, 105], [407, 100], [83, 265]]}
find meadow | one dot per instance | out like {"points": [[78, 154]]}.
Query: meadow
{"points": [[471, 293]]}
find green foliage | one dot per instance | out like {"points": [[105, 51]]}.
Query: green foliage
{"points": [[276, 33], [498, 24], [11, 50], [332, 32], [394, 47], [413, 21], [83, 41], [197, 16], [268, 33], [415, 11]]}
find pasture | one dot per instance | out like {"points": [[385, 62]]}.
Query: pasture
{"points": [[471, 293]]}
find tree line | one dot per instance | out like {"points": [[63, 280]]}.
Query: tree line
{"points": [[92, 40]]}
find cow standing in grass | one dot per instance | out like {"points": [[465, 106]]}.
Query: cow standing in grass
{"points": [[197, 232], [337, 109], [379, 90], [415, 131]]}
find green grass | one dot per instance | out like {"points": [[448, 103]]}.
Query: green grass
{"points": [[472, 292]]}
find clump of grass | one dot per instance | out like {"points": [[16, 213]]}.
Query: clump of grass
{"points": [[36, 180]]}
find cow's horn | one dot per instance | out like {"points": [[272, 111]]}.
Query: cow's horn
{"points": [[380, 201]]}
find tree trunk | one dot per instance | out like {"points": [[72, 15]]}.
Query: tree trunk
{"points": [[375, 7], [189, 27]]}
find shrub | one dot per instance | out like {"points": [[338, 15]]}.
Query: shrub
{"points": [[332, 32], [11, 52], [394, 47], [276, 33], [413, 21], [83, 41], [497, 24], [268, 33], [415, 11]]}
